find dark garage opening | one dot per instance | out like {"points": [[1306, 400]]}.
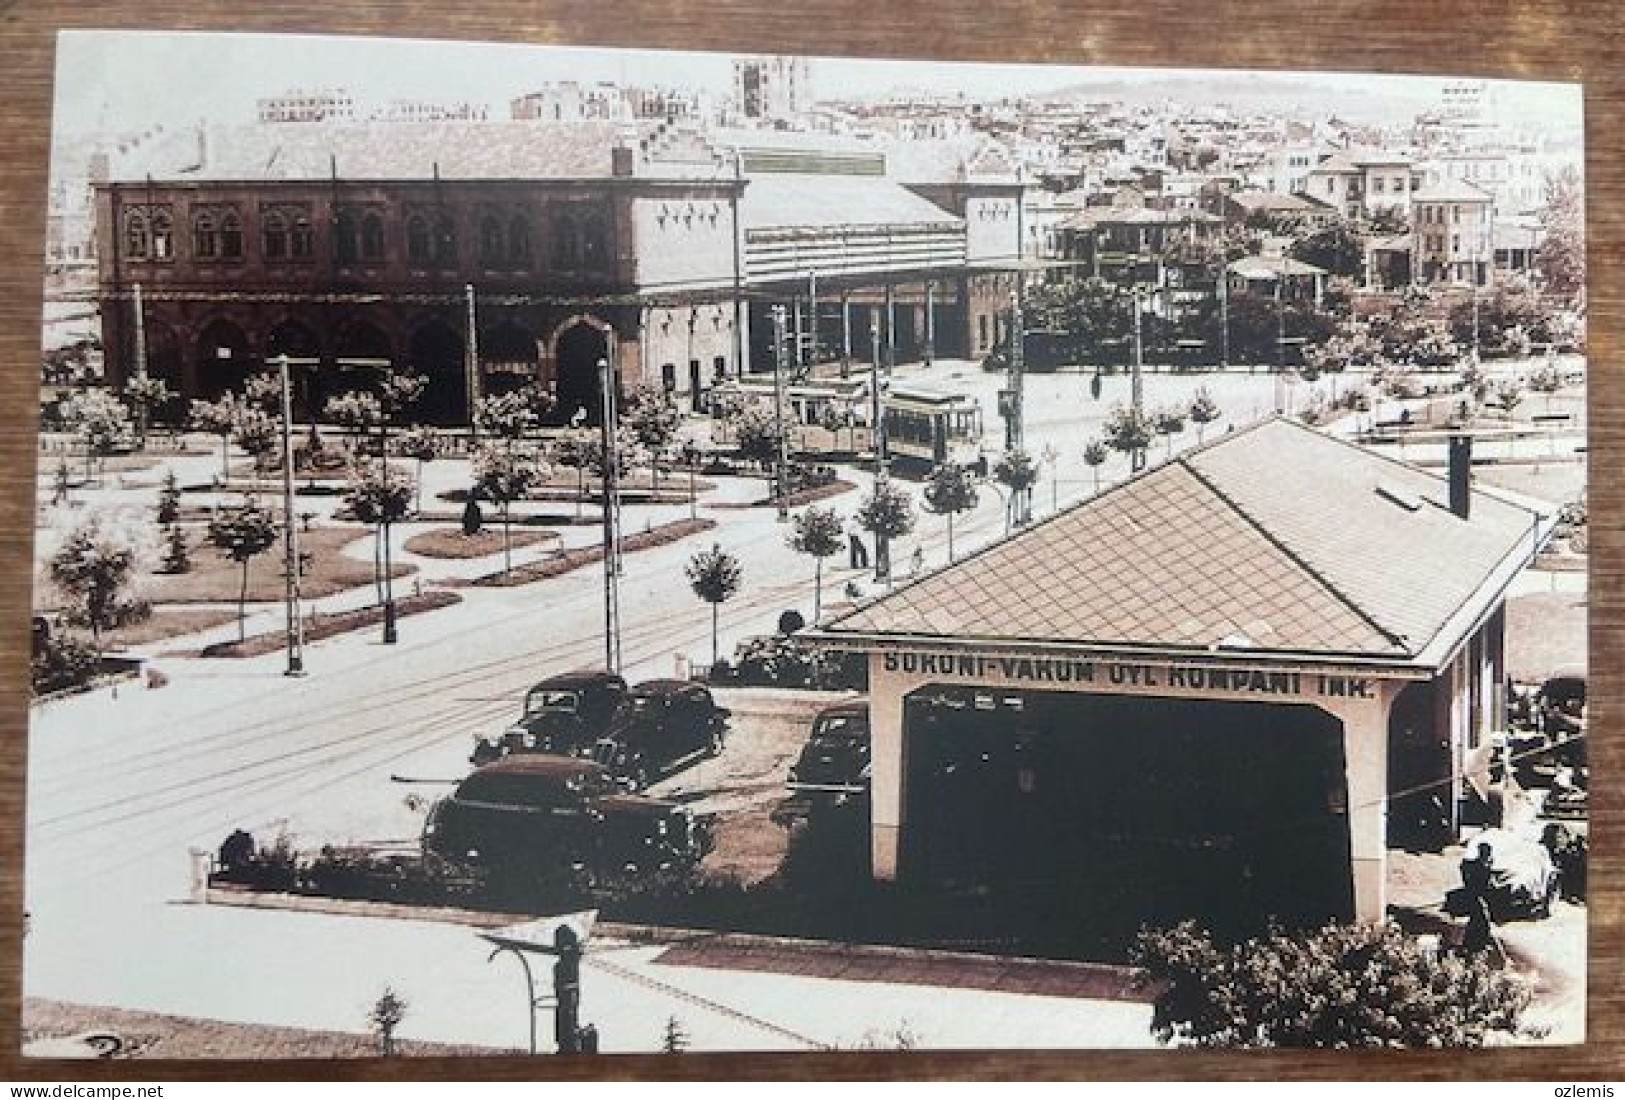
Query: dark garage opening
{"points": [[1108, 812]]}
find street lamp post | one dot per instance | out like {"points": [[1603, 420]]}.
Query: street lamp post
{"points": [[780, 470], [290, 533], [612, 519]]}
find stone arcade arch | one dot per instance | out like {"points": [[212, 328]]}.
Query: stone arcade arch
{"points": [[579, 345], [508, 358], [223, 359], [436, 351]]}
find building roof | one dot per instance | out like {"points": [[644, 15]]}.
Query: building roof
{"points": [[830, 202], [1277, 201], [379, 151], [1272, 267], [1230, 545], [1450, 191], [1137, 215]]}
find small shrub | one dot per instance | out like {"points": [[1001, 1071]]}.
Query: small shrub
{"points": [[61, 662]]}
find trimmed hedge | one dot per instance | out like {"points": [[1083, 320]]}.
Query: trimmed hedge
{"points": [[328, 626]]}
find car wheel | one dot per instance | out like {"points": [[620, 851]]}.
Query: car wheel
{"points": [[639, 779], [715, 748]]}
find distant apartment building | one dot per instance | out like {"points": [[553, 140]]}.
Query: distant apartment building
{"points": [[1454, 231], [309, 105], [770, 89], [1360, 184], [571, 101], [428, 110]]}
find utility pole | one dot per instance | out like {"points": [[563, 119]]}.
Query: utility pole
{"points": [[1224, 311], [780, 467], [140, 362], [290, 533], [1280, 342], [612, 518], [471, 364], [739, 265], [877, 423], [812, 320], [930, 349], [1137, 382]]}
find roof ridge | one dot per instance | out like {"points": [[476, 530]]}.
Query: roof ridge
{"points": [[1314, 574]]}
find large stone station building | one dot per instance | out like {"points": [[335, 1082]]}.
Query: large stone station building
{"points": [[1226, 685]]}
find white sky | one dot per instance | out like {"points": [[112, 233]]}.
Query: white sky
{"points": [[116, 80]]}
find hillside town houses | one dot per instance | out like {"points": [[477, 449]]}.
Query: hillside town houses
{"points": [[689, 215]]}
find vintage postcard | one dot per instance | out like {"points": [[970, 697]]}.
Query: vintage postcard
{"points": [[553, 550]]}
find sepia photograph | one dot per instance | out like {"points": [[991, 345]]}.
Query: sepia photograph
{"points": [[557, 551]]}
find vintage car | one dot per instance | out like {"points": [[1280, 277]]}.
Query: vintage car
{"points": [[835, 759], [543, 818], [661, 728], [563, 715]]}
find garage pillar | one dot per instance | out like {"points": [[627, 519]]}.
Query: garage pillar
{"points": [[886, 692], [1365, 760]]}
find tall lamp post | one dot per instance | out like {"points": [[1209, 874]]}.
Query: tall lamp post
{"points": [[612, 513], [780, 466], [290, 528]]}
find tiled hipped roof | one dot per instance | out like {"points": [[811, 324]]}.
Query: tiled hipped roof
{"points": [[1272, 539]]}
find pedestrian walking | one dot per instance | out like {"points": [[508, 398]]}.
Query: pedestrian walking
{"points": [[857, 552], [916, 561]]}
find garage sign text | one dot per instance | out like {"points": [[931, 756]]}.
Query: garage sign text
{"points": [[1051, 670]]}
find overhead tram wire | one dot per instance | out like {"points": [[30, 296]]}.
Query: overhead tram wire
{"points": [[123, 856], [768, 598]]}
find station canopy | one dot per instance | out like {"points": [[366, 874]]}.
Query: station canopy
{"points": [[1273, 540]]}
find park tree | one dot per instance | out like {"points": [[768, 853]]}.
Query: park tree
{"points": [[1089, 312], [242, 534], [1546, 380], [1339, 248], [505, 474], [218, 418], [714, 575], [169, 500], [1354, 986], [1017, 472], [1169, 422], [399, 393], [259, 434], [381, 495], [263, 390], [177, 552], [1095, 454], [101, 421], [510, 416], [1128, 431], [1203, 411], [817, 532], [1509, 395], [674, 1040], [421, 445], [387, 1014], [1561, 261], [357, 411], [654, 419], [93, 569], [949, 491], [757, 433], [887, 513], [146, 396]]}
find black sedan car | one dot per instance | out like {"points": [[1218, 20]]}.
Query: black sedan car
{"points": [[661, 728], [835, 759], [542, 818], [563, 715]]}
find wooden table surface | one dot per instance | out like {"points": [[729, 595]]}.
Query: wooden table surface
{"points": [[1573, 41]]}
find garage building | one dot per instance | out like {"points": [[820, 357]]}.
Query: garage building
{"points": [[1224, 687]]}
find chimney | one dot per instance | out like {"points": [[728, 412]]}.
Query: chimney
{"points": [[1461, 475]]}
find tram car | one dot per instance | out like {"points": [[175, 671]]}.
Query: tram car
{"points": [[931, 426]]}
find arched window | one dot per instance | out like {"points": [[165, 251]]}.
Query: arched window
{"points": [[566, 242], [519, 240], [301, 240], [205, 236], [417, 239], [137, 240], [274, 235], [346, 237], [163, 237], [231, 236], [372, 236], [445, 240], [491, 250]]}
